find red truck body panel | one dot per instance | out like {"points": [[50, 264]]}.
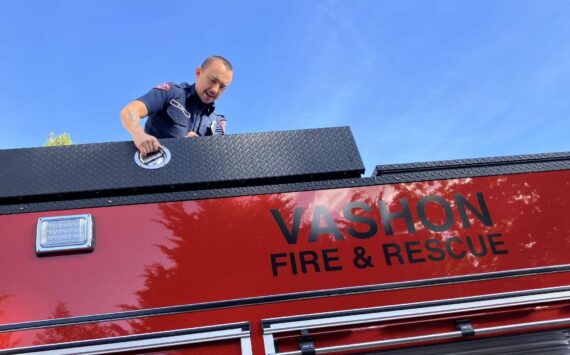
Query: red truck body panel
{"points": [[266, 256], [292, 259]]}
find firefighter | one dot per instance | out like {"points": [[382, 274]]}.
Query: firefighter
{"points": [[180, 110]]}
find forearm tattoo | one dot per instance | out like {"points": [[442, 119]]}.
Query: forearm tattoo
{"points": [[133, 116]]}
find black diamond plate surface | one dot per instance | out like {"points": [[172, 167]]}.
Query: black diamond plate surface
{"points": [[184, 195], [453, 169], [470, 163], [247, 189], [79, 171], [389, 174]]}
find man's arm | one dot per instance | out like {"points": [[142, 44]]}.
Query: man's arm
{"points": [[131, 116]]}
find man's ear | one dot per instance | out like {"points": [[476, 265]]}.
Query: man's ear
{"points": [[198, 72]]}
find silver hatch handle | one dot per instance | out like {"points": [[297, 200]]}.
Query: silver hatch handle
{"points": [[153, 160]]}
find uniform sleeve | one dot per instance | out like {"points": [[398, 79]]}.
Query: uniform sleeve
{"points": [[156, 99], [220, 125]]}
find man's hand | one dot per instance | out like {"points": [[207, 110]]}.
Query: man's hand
{"points": [[145, 143], [192, 134]]}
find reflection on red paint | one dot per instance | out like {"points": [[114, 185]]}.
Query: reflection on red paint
{"points": [[182, 253]]}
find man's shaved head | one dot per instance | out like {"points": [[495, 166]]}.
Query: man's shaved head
{"points": [[213, 58], [212, 78]]}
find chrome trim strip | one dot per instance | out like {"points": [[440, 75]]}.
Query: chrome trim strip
{"points": [[411, 310], [373, 344], [245, 344], [170, 310], [142, 341], [438, 336], [268, 343], [522, 326]]}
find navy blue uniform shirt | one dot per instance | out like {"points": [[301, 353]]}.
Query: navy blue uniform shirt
{"points": [[175, 109]]}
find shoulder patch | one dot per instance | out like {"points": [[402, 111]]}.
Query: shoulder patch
{"points": [[164, 87]]}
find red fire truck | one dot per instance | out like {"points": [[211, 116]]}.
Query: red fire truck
{"points": [[273, 243]]}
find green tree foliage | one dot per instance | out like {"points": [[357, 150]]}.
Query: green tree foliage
{"points": [[60, 139]]}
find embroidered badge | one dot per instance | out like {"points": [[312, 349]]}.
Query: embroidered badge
{"points": [[222, 124], [164, 87], [179, 106]]}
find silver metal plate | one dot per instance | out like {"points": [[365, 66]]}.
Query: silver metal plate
{"points": [[146, 341]]}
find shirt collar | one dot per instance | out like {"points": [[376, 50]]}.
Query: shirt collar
{"points": [[195, 99]]}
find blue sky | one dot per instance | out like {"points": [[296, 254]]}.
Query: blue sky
{"points": [[415, 80]]}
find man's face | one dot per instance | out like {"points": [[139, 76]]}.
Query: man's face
{"points": [[212, 81]]}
